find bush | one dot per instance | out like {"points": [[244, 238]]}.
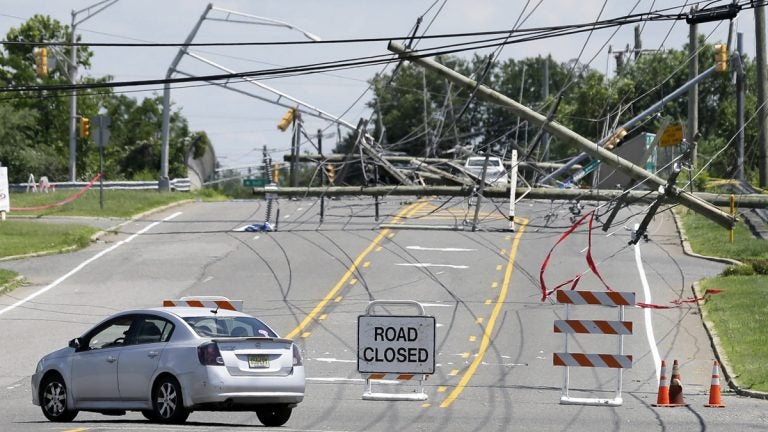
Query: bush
{"points": [[738, 270], [760, 267]]}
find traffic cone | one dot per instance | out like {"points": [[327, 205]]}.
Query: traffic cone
{"points": [[663, 396], [714, 389], [676, 388]]}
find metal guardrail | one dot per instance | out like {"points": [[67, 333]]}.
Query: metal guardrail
{"points": [[179, 184]]}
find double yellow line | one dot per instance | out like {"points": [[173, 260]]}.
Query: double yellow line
{"points": [[488, 330]]}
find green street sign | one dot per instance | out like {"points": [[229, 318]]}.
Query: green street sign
{"points": [[254, 182]]}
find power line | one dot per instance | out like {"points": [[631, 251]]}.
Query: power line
{"points": [[530, 35]]}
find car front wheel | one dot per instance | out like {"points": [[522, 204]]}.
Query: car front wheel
{"points": [[273, 415], [53, 400], [167, 403]]}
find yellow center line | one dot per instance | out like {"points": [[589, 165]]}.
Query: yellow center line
{"points": [[486, 340], [333, 293]]}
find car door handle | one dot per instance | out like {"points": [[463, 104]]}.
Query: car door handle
{"points": [[111, 359], [153, 354]]}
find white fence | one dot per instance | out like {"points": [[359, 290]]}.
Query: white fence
{"points": [[180, 185]]}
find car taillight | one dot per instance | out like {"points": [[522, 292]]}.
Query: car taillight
{"points": [[297, 360], [209, 354]]}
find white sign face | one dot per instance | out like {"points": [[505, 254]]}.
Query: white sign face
{"points": [[5, 198], [396, 344]]}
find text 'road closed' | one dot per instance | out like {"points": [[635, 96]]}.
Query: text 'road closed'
{"points": [[396, 344]]}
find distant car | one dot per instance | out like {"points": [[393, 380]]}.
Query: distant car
{"points": [[494, 173], [169, 361]]}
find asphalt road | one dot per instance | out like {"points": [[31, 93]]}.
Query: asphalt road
{"points": [[311, 280]]}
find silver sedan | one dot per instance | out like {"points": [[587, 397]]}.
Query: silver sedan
{"points": [[169, 361]]}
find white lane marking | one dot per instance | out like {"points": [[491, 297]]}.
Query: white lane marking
{"points": [[440, 249], [332, 360], [647, 313], [437, 305], [335, 379], [433, 265], [85, 263]]}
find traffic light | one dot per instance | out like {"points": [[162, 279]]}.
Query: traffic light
{"points": [[721, 57], [85, 127], [275, 173], [286, 120], [41, 61], [330, 172], [615, 138]]}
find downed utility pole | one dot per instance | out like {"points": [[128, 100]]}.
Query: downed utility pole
{"points": [[758, 201], [568, 136]]}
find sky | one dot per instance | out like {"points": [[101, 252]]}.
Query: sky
{"points": [[240, 125]]}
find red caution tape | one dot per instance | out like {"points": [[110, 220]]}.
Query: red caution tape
{"points": [[590, 262], [61, 203], [678, 303]]}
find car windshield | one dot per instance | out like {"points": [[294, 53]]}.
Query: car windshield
{"points": [[230, 326]]}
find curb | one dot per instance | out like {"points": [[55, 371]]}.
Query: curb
{"points": [[687, 246], [714, 340]]}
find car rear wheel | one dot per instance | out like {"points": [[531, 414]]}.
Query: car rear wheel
{"points": [[53, 400], [273, 415], [167, 403]]}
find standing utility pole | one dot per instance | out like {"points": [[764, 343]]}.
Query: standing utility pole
{"points": [[295, 150], [427, 148], [762, 131], [693, 93], [545, 96], [740, 95], [100, 6]]}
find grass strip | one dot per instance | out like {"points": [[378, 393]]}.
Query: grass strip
{"points": [[18, 237], [739, 316], [117, 203]]}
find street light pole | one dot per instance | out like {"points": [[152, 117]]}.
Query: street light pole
{"points": [[73, 80], [164, 182]]}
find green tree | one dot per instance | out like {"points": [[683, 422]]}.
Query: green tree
{"points": [[135, 139], [35, 130], [50, 135]]}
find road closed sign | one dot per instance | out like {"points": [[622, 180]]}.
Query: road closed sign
{"points": [[396, 344]]}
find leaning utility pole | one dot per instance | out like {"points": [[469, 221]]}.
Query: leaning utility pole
{"points": [[567, 135], [762, 128]]}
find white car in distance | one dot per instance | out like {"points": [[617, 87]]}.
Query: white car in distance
{"points": [[495, 172]]}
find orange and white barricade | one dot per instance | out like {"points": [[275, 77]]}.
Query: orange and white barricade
{"points": [[620, 328]]}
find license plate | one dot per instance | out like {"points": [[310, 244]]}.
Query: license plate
{"points": [[258, 361]]}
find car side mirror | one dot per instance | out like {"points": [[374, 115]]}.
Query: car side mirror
{"points": [[75, 343]]}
